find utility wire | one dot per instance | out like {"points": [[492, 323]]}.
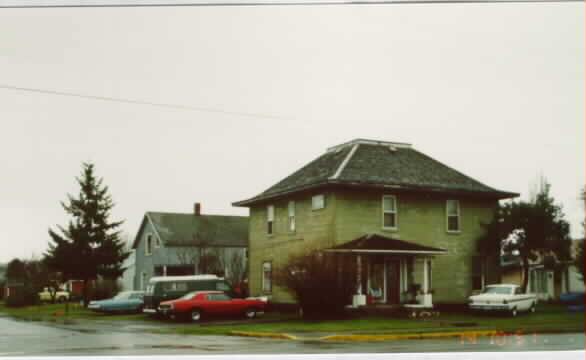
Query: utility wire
{"points": [[137, 102], [175, 3]]}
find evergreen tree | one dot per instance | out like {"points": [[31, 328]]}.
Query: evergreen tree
{"points": [[90, 246]]}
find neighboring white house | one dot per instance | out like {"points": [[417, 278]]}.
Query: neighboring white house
{"points": [[127, 279]]}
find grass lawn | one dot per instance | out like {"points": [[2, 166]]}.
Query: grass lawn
{"points": [[53, 312], [549, 318]]}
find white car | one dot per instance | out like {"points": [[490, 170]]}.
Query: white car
{"points": [[503, 297]]}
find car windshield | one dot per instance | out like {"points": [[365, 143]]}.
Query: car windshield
{"points": [[122, 295], [188, 295], [503, 290]]}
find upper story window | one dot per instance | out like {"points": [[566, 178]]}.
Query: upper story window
{"points": [[148, 248], [453, 215], [318, 202], [270, 219], [389, 212], [291, 210]]}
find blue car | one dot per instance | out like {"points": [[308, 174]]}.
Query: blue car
{"points": [[124, 302]]}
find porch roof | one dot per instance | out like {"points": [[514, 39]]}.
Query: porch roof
{"points": [[375, 243]]}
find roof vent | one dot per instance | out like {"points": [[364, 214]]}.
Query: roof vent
{"points": [[392, 148]]}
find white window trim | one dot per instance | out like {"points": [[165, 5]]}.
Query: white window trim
{"points": [[263, 279], [396, 212], [148, 250], [291, 212], [459, 215], [314, 201], [271, 219]]}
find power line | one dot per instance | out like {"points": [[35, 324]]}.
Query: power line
{"points": [[136, 102], [176, 3]]}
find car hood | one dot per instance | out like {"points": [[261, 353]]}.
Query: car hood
{"points": [[111, 302]]}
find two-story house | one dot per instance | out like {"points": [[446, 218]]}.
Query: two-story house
{"points": [[171, 244], [411, 221]]}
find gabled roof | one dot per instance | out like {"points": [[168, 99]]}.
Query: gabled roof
{"points": [[369, 163], [374, 243], [175, 229]]}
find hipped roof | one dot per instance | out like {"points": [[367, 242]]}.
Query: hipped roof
{"points": [[370, 163], [375, 243]]}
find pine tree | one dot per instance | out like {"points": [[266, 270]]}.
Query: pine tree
{"points": [[90, 246]]}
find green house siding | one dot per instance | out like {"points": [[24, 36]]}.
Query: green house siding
{"points": [[350, 214]]}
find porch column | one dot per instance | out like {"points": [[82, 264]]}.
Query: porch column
{"points": [[164, 270], [358, 299], [425, 277], [359, 274]]}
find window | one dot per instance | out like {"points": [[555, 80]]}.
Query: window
{"points": [[157, 242], [389, 212], [148, 249], [318, 202], [267, 275], [477, 273], [453, 215], [291, 208], [218, 297], [270, 218]]}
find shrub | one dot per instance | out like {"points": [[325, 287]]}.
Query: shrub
{"points": [[104, 289], [322, 283], [22, 296]]}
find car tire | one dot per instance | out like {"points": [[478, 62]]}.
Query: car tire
{"points": [[514, 312], [250, 313], [61, 299], [195, 315], [532, 309]]}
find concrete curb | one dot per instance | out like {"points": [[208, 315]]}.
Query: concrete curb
{"points": [[374, 337], [263, 335], [381, 337]]}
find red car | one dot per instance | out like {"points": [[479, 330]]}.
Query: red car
{"points": [[197, 303]]}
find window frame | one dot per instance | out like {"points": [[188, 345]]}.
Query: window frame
{"points": [[458, 216], [317, 204], [395, 212], [264, 278], [292, 226], [270, 219], [148, 247]]}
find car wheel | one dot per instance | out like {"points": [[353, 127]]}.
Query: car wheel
{"points": [[195, 315], [61, 299], [514, 312], [532, 309], [250, 313]]}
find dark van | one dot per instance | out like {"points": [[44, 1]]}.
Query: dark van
{"points": [[163, 288]]}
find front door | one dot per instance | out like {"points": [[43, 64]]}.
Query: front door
{"points": [[393, 281]]}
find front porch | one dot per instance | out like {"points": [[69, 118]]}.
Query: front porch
{"points": [[391, 272]]}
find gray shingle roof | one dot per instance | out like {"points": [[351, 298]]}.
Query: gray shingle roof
{"points": [[368, 163], [375, 242], [187, 229]]}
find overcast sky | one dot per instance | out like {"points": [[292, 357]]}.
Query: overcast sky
{"points": [[493, 90]]}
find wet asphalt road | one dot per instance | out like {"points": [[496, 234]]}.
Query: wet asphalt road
{"points": [[18, 338]]}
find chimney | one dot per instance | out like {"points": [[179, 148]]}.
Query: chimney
{"points": [[197, 209]]}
